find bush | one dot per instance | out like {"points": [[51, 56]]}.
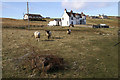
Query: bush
{"points": [[43, 63]]}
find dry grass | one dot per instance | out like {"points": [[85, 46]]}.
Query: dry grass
{"points": [[112, 21], [13, 23], [88, 53]]}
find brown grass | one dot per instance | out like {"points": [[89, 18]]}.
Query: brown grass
{"points": [[112, 21], [13, 23], [88, 52]]}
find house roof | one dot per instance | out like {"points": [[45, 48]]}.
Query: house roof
{"points": [[57, 19], [74, 14], [34, 15]]}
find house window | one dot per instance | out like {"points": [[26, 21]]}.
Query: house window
{"points": [[30, 16], [71, 22], [77, 17], [71, 18]]}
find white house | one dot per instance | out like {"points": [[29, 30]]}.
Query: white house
{"points": [[32, 17], [56, 22], [72, 18], [103, 16]]}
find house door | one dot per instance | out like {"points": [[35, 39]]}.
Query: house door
{"points": [[58, 23]]}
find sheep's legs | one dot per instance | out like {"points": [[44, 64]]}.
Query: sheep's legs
{"points": [[48, 37], [38, 39]]}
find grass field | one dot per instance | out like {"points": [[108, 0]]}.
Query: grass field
{"points": [[112, 22], [20, 23], [88, 52]]}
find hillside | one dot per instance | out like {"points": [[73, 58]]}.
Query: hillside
{"points": [[14, 23], [112, 21], [87, 52]]}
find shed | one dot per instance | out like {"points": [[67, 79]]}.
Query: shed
{"points": [[32, 17], [56, 22]]}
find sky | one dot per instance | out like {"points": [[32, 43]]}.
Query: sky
{"points": [[56, 9]]}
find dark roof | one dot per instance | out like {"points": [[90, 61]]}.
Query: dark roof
{"points": [[57, 19], [34, 15], [74, 14]]}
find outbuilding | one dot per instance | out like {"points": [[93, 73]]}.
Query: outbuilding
{"points": [[56, 22], [32, 17], [101, 26]]}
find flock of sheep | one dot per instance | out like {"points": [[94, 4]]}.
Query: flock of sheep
{"points": [[48, 33]]}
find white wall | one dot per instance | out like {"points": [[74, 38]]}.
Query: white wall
{"points": [[52, 23], [65, 22], [77, 21], [26, 17], [74, 21], [60, 23]]}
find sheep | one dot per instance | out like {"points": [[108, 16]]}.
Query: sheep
{"points": [[37, 35], [71, 25], [48, 33], [68, 31]]}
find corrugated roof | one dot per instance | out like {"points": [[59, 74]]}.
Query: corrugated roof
{"points": [[34, 15], [57, 19]]}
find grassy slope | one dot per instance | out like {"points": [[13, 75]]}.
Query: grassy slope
{"points": [[87, 53], [7, 22], [112, 22]]}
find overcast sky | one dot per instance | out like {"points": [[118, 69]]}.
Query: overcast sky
{"points": [[56, 9]]}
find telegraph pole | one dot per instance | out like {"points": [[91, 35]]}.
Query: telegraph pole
{"points": [[28, 14]]}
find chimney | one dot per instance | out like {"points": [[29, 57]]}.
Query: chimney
{"points": [[65, 10], [71, 11], [81, 12]]}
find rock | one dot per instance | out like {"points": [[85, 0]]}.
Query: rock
{"points": [[97, 59], [103, 34]]}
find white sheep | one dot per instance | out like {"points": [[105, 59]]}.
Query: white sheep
{"points": [[48, 33], [68, 31], [37, 35]]}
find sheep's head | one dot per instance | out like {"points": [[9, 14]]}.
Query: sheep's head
{"points": [[47, 31]]}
